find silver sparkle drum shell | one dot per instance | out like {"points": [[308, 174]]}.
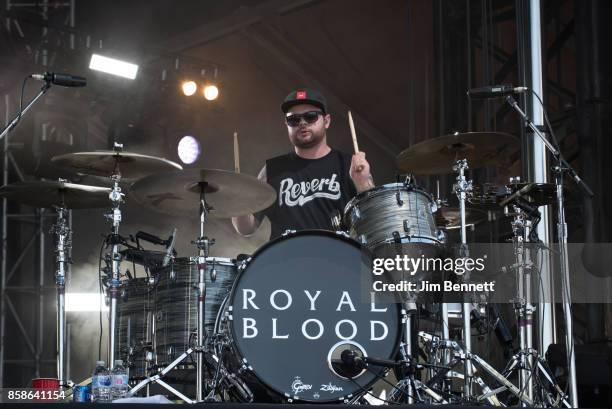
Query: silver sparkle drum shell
{"points": [[392, 213], [133, 342], [176, 303]]}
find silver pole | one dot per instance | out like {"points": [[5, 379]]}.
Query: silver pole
{"points": [[116, 197], [41, 290], [5, 160], [63, 242], [461, 189], [538, 172]]}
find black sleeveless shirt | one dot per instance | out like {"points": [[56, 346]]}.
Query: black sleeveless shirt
{"points": [[309, 191]]}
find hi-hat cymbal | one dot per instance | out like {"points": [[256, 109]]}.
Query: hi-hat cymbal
{"points": [[227, 193], [450, 218], [106, 163], [57, 194], [436, 156]]}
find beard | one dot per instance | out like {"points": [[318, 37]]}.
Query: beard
{"points": [[311, 139]]}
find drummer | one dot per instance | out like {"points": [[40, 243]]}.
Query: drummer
{"points": [[313, 181]]}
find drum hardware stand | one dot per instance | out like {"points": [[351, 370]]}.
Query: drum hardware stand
{"points": [[559, 170], [461, 188], [63, 242], [522, 304], [116, 198], [523, 361], [461, 355], [406, 348], [203, 245]]}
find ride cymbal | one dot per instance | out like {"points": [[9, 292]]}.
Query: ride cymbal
{"points": [[436, 156]]}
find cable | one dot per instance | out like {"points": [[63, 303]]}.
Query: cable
{"points": [[569, 351]]}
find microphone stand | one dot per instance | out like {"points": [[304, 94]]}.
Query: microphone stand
{"points": [[11, 125], [559, 170]]}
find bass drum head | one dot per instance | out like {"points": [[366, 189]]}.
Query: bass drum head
{"points": [[300, 303]]}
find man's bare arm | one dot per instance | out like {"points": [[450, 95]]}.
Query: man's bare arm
{"points": [[248, 224]]}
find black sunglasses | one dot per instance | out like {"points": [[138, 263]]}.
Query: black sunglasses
{"points": [[309, 117]]}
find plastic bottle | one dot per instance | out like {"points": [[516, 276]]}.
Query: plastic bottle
{"points": [[119, 379], [100, 383]]}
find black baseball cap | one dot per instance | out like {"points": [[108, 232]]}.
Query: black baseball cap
{"points": [[304, 96]]}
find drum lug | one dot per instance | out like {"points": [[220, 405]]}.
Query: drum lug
{"points": [[363, 240], [406, 226], [356, 213], [244, 264], [342, 233], [396, 237]]}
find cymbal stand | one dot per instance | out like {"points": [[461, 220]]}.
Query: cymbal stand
{"points": [[459, 355], [406, 347], [203, 244], [461, 188], [522, 304], [63, 241], [523, 361], [116, 198]]}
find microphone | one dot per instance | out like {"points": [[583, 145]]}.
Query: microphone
{"points": [[170, 249], [495, 91], [143, 235], [64, 80]]}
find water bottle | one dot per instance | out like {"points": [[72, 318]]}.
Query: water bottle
{"points": [[100, 383], [119, 378]]}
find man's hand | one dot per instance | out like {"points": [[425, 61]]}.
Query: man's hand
{"points": [[360, 172]]}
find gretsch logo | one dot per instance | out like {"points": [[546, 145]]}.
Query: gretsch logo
{"points": [[298, 386]]}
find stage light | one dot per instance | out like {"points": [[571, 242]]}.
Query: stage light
{"points": [[113, 66], [85, 302], [189, 88], [188, 149], [211, 92]]}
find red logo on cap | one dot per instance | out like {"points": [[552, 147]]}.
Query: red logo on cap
{"points": [[300, 95]]}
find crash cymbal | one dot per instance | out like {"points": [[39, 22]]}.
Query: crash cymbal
{"points": [[227, 193], [106, 163], [57, 194], [449, 217], [491, 196], [436, 156]]}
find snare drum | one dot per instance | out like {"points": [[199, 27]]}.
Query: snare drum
{"points": [[176, 301], [302, 301], [134, 326], [392, 213]]}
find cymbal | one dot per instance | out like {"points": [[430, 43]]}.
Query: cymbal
{"points": [[227, 193], [449, 217], [436, 156], [57, 194], [106, 163]]}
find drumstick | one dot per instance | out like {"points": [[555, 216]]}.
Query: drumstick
{"points": [[353, 134], [236, 153]]}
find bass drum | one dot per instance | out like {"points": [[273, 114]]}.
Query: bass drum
{"points": [[301, 303]]}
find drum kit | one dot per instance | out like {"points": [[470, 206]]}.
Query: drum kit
{"points": [[291, 322]]}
